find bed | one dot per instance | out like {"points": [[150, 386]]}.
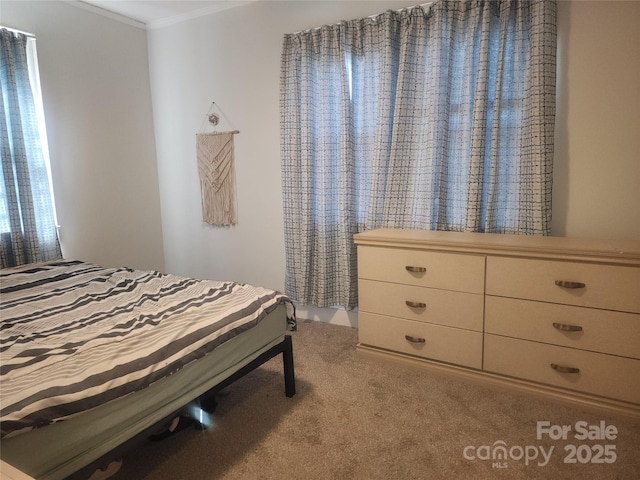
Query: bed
{"points": [[93, 359]]}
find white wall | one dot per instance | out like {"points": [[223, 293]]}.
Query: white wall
{"points": [[233, 58], [597, 161], [97, 102], [98, 113]]}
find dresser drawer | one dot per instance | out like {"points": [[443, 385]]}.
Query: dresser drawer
{"points": [[446, 344], [605, 331], [464, 273], [599, 374], [603, 286], [442, 307]]}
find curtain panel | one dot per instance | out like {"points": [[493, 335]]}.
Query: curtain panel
{"points": [[438, 117], [27, 227]]}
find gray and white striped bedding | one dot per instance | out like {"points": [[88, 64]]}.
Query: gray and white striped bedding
{"points": [[75, 335]]}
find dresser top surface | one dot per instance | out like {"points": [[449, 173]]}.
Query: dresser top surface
{"points": [[505, 244]]}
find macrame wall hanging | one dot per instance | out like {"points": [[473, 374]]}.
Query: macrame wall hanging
{"points": [[217, 171]]}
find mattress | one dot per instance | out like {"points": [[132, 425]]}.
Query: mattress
{"points": [[65, 447], [89, 356]]}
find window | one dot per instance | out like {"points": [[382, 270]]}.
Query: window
{"points": [[27, 214], [437, 118]]}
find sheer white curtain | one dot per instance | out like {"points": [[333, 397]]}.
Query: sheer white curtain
{"points": [[436, 118]]}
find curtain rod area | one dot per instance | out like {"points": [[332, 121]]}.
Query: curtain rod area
{"points": [[371, 16], [14, 30]]}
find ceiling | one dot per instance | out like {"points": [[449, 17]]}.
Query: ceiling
{"points": [[155, 13]]}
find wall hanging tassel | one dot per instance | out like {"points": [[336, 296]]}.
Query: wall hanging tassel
{"points": [[217, 173]]}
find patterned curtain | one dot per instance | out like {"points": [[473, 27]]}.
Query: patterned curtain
{"points": [[27, 227], [437, 117]]}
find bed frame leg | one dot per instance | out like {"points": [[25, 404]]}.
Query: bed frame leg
{"points": [[289, 374]]}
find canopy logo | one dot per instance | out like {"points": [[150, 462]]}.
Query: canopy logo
{"points": [[499, 453]]}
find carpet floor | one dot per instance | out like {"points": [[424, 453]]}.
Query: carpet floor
{"points": [[355, 417]]}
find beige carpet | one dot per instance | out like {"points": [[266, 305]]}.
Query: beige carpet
{"points": [[359, 418]]}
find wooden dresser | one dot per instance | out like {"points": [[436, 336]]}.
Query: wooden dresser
{"points": [[558, 317]]}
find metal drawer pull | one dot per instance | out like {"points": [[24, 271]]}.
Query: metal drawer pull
{"points": [[566, 284], [415, 339], [562, 369], [415, 304], [416, 269], [567, 328]]}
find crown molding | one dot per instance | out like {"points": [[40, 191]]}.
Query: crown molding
{"points": [[201, 12], [106, 13], [164, 22]]}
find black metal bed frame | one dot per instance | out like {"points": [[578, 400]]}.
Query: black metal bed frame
{"points": [[285, 347]]}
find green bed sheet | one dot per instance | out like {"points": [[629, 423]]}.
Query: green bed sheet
{"points": [[58, 450]]}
